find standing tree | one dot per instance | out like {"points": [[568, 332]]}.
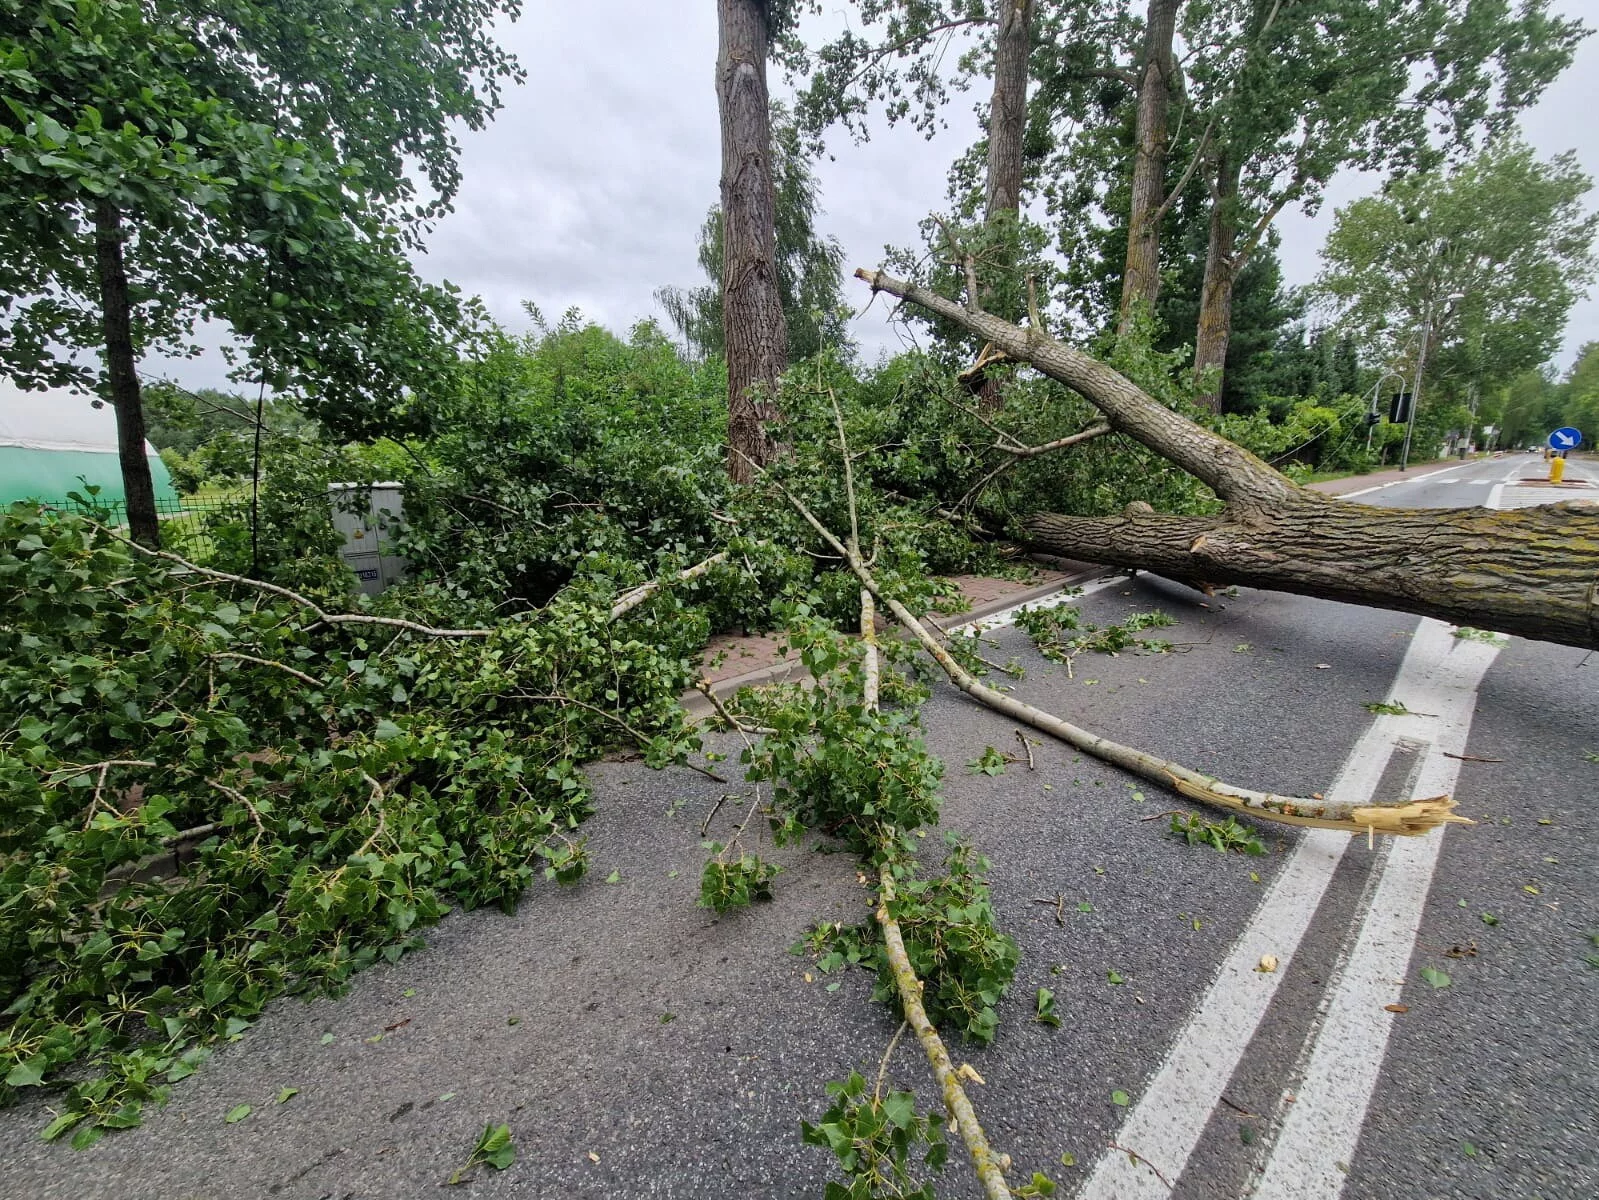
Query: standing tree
{"points": [[1489, 258], [852, 73], [167, 163], [1579, 403], [809, 275], [754, 336], [1156, 81], [1292, 92]]}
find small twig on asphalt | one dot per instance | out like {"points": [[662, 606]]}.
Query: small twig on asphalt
{"points": [[1137, 1157], [1238, 1108], [1027, 746], [882, 1067], [711, 816], [1471, 757]]}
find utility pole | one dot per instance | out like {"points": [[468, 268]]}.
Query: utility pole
{"points": [[1415, 391]]}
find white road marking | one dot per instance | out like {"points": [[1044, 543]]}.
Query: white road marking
{"points": [[1396, 482], [1169, 1118], [1310, 1156], [1439, 676]]}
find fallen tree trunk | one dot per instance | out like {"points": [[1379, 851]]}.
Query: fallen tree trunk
{"points": [[1407, 819], [1531, 571]]}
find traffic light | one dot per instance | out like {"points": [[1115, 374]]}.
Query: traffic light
{"points": [[1399, 408], [1373, 418]]}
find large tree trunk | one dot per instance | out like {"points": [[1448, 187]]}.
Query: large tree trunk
{"points": [[122, 377], [755, 336], [1221, 269], [1007, 111], [1533, 572], [1007, 126], [1523, 571], [1141, 276]]}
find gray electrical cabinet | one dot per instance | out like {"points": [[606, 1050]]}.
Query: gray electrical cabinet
{"points": [[363, 514]]}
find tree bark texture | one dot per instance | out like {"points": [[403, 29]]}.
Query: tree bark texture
{"points": [[1232, 472], [1531, 571], [1221, 269], [122, 376], [1007, 111], [1141, 276], [755, 335]]}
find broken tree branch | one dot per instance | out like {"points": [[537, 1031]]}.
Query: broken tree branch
{"points": [[1086, 435], [1414, 817], [959, 1105], [956, 1102], [1233, 473], [628, 601], [1529, 571], [273, 589]]}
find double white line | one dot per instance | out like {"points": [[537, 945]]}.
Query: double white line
{"points": [[1439, 676]]}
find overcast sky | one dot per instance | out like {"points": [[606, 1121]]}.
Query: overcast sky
{"points": [[590, 186]]}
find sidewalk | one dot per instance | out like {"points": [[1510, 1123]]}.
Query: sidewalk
{"points": [[733, 660]]}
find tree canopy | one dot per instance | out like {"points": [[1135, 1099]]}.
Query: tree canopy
{"points": [[1492, 254], [258, 158]]}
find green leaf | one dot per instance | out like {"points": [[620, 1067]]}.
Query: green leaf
{"points": [[1114, 978], [59, 1126], [29, 1073], [286, 1095], [1068, 1159], [237, 1113], [900, 1109], [614, 877], [386, 730], [494, 1147], [1438, 979], [1120, 1098]]}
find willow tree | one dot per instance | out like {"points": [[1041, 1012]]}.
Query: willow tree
{"points": [[168, 163]]}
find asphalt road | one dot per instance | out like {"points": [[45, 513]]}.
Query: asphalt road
{"points": [[638, 1048]]}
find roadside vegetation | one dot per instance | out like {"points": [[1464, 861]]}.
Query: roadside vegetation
{"points": [[227, 776]]}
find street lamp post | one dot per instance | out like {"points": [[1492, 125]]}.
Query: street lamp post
{"points": [[1415, 391], [1376, 391]]}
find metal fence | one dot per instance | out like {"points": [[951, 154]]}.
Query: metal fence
{"points": [[188, 524]]}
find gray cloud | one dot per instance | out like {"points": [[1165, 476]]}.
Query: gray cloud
{"points": [[590, 186]]}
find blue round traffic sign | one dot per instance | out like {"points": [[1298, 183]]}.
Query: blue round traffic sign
{"points": [[1565, 438]]}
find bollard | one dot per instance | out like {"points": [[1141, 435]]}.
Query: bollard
{"points": [[1557, 469]]}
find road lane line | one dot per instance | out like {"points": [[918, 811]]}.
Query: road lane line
{"points": [[1172, 1113], [1396, 482], [1309, 1158]]}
